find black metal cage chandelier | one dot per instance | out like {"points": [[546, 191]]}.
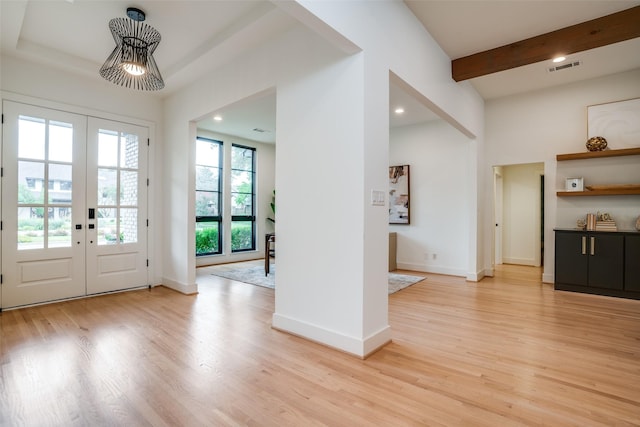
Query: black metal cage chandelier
{"points": [[131, 63]]}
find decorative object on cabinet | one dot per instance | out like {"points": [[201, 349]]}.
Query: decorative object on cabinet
{"points": [[601, 190], [399, 194], [574, 184], [581, 223], [606, 226], [591, 222], [638, 224], [618, 122], [596, 143]]}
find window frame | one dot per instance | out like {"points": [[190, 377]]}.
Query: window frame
{"points": [[245, 218], [212, 218]]}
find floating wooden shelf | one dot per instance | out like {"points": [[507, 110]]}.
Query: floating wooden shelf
{"points": [[604, 190], [618, 192], [597, 154]]}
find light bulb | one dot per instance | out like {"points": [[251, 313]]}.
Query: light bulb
{"points": [[133, 68]]}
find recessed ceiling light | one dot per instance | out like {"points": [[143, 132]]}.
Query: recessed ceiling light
{"points": [[399, 110], [558, 59], [217, 118]]}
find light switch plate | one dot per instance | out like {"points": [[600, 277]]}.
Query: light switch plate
{"points": [[377, 198]]}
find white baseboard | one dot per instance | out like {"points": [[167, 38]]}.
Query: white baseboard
{"points": [[520, 261], [352, 345], [180, 287], [431, 269], [476, 277], [548, 278]]}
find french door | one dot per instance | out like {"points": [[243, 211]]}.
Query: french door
{"points": [[73, 205]]}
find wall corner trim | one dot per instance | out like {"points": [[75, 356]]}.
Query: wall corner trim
{"points": [[475, 277], [352, 345], [183, 288]]}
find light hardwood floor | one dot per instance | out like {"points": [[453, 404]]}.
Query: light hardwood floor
{"points": [[505, 351]]}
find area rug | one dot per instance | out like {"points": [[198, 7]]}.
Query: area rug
{"points": [[254, 275]]}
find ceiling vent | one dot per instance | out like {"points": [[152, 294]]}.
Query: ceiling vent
{"points": [[564, 66]]}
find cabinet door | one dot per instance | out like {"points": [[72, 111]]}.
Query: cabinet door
{"points": [[571, 258], [632, 263], [606, 260]]}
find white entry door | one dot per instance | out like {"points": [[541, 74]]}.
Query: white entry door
{"points": [[74, 193], [116, 206], [43, 188]]}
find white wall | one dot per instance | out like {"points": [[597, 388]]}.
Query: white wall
{"points": [[438, 156], [521, 214], [252, 73], [265, 184], [379, 28], [332, 125], [388, 30], [534, 127], [24, 81]]}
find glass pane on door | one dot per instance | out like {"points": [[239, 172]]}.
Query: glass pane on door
{"points": [[45, 183], [31, 143], [107, 187], [59, 184], [129, 188], [129, 151], [107, 148], [60, 227], [30, 182], [60, 142], [117, 198], [128, 225], [107, 226]]}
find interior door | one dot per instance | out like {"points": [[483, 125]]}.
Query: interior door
{"points": [[116, 212], [498, 207], [43, 193]]}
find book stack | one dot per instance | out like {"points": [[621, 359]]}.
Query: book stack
{"points": [[606, 225]]}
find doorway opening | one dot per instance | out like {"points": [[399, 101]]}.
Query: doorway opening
{"points": [[518, 214]]}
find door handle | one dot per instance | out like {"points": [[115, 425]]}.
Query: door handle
{"points": [[593, 246], [92, 213], [78, 226], [584, 245]]}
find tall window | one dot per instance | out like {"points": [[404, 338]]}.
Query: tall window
{"points": [[242, 198], [208, 196]]}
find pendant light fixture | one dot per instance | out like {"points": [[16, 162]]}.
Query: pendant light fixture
{"points": [[131, 63]]}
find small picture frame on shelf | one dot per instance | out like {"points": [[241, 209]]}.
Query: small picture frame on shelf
{"points": [[574, 184]]}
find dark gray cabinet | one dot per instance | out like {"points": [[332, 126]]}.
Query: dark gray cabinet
{"points": [[632, 263], [606, 263], [572, 262]]}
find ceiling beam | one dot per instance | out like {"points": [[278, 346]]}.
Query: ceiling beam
{"points": [[614, 28]]}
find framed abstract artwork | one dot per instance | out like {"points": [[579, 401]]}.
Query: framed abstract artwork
{"points": [[617, 122], [399, 207]]}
